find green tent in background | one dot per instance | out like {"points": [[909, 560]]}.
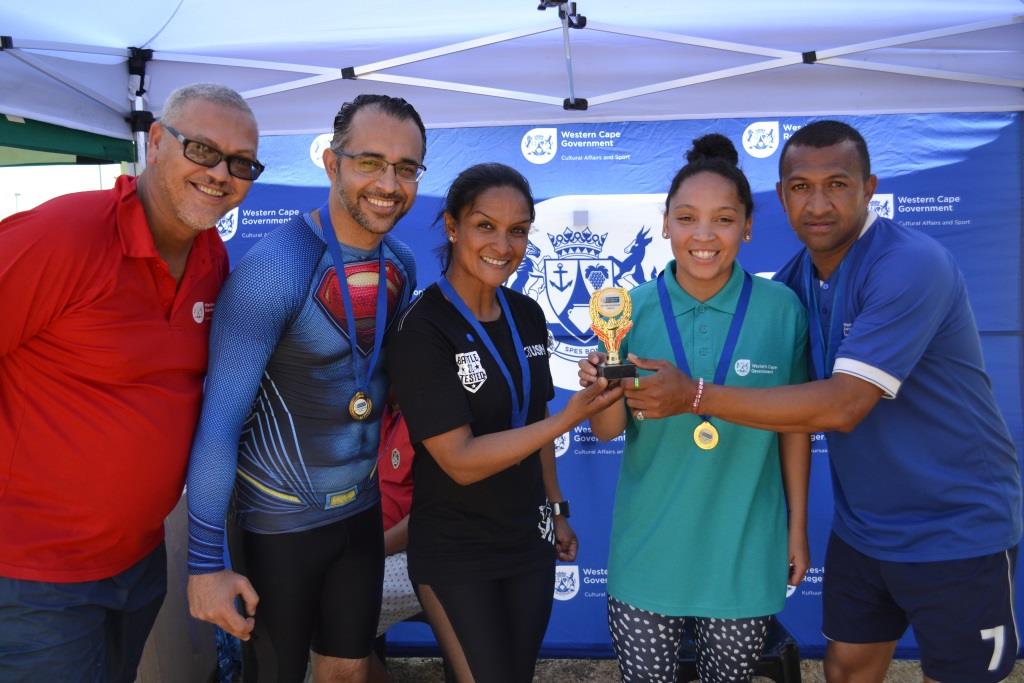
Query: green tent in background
{"points": [[26, 142]]}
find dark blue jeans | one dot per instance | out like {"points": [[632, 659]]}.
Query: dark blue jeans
{"points": [[92, 632]]}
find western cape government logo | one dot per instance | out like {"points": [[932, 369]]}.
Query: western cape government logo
{"points": [[228, 225], [567, 581], [202, 310], [579, 244], [539, 145], [316, 149], [882, 204], [561, 445], [761, 139]]}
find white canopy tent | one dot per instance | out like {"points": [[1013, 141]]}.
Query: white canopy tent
{"points": [[505, 62]]}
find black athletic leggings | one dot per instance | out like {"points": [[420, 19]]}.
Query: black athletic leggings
{"points": [[318, 588], [491, 631]]}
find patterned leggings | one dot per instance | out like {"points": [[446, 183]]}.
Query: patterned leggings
{"points": [[647, 645]]}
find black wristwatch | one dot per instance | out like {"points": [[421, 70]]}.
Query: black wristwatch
{"points": [[560, 508]]}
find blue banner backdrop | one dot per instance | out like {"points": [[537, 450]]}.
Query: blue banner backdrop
{"points": [[600, 191]]}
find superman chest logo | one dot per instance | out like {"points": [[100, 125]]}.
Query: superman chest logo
{"points": [[362, 278]]}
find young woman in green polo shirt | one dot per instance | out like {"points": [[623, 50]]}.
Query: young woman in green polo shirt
{"points": [[701, 529]]}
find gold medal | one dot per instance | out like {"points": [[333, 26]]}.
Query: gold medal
{"points": [[705, 436], [360, 406]]}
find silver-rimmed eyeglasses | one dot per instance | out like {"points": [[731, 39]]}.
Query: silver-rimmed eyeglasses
{"points": [[375, 166]]}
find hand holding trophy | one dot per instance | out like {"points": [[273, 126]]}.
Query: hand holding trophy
{"points": [[611, 312]]}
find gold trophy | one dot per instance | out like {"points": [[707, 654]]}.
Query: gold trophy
{"points": [[611, 312]]}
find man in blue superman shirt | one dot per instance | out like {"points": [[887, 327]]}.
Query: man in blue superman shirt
{"points": [[290, 419]]}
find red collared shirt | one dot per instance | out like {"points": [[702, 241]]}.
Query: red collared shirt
{"points": [[102, 361]]}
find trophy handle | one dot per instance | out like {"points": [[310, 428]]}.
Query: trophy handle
{"points": [[620, 333]]}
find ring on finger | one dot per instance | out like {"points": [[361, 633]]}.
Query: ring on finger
{"points": [[639, 415], [636, 382]]}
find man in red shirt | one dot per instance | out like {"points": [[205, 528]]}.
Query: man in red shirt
{"points": [[394, 473], [105, 306]]}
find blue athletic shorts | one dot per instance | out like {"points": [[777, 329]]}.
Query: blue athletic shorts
{"points": [[961, 610], [88, 632]]}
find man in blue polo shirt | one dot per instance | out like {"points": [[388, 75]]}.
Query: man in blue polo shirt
{"points": [[925, 475]]}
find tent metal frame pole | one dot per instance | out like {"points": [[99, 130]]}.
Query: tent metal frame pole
{"points": [[335, 75], [315, 74], [141, 118], [925, 72], [72, 47], [464, 88], [141, 138], [246, 63], [833, 57], [40, 66], [571, 100], [907, 38], [322, 74], [445, 50], [781, 58], [695, 80], [696, 41]]}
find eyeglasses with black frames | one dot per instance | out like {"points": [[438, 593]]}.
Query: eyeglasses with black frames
{"points": [[205, 155], [375, 166]]}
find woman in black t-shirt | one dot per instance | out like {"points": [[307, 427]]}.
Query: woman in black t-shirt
{"points": [[469, 364]]}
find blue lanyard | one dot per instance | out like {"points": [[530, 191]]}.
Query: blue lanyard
{"points": [[362, 379], [730, 339], [823, 351], [521, 403]]}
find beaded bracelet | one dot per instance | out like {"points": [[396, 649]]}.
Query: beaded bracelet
{"points": [[700, 394]]}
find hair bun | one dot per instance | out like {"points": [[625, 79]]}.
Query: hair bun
{"points": [[712, 146]]}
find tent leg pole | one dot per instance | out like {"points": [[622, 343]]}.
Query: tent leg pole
{"points": [[140, 133], [568, 55], [140, 118]]}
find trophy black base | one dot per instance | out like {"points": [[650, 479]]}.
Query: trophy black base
{"points": [[616, 371]]}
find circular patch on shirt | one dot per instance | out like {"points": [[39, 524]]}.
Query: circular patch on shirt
{"points": [[396, 458], [198, 311]]}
